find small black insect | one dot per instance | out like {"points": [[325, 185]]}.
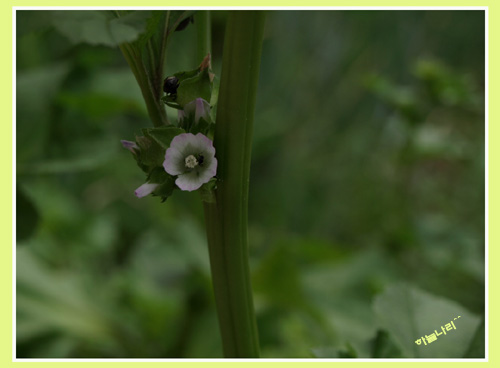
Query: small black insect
{"points": [[170, 85], [200, 160]]}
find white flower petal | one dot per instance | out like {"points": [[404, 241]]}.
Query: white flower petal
{"points": [[204, 144], [183, 146], [174, 162], [189, 181], [183, 141], [211, 168]]}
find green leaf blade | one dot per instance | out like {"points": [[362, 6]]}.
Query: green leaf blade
{"points": [[97, 28], [410, 314]]}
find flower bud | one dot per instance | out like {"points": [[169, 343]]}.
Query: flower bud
{"points": [[131, 146], [199, 108], [145, 189]]}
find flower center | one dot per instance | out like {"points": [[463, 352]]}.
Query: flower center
{"points": [[191, 162]]}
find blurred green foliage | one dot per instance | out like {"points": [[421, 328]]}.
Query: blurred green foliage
{"points": [[367, 171]]}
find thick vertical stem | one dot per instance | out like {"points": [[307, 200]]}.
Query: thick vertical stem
{"points": [[203, 34], [227, 218]]}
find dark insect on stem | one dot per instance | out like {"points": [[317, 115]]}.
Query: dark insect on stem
{"points": [[184, 23], [170, 85]]}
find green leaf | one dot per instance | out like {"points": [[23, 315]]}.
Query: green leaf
{"points": [[154, 24], [410, 314], [49, 300], [129, 27], [163, 135], [477, 346], [98, 28]]}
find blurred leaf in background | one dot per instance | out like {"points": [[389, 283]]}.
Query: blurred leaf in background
{"points": [[408, 312], [367, 171]]}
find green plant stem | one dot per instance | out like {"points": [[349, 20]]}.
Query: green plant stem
{"points": [[150, 84], [156, 111], [203, 34], [226, 220]]}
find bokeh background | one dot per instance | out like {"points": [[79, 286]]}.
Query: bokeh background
{"points": [[366, 223]]}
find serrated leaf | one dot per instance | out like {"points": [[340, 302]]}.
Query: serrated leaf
{"points": [[410, 314]]}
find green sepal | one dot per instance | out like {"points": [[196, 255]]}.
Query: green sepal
{"points": [[166, 183], [190, 89], [192, 84], [150, 153], [202, 126], [182, 76], [157, 175], [152, 146], [207, 191], [163, 135]]}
